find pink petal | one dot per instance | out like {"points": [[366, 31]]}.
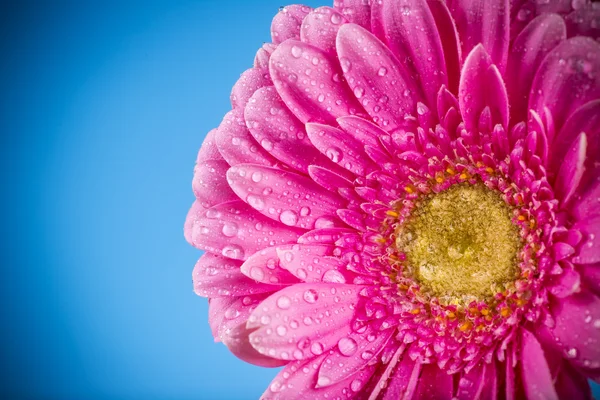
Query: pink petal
{"points": [[299, 380], [450, 42], [484, 22], [340, 148], [210, 185], [584, 119], [216, 313], [236, 231], [235, 143], [353, 354], [261, 60], [216, 276], [481, 86], [568, 78], [576, 333], [313, 263], [570, 384], [589, 250], [325, 236], [328, 179], [355, 11], [320, 28], [590, 275], [263, 266], [571, 170], [403, 380], [381, 83], [209, 150], [587, 204], [277, 130], [361, 129], [540, 36], [303, 320], [250, 81], [408, 26], [292, 199], [567, 283], [434, 383], [535, 373], [479, 383], [286, 24], [232, 328], [193, 215], [294, 67]]}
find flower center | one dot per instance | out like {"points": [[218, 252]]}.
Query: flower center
{"points": [[460, 244]]}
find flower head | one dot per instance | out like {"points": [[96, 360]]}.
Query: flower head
{"points": [[404, 202]]}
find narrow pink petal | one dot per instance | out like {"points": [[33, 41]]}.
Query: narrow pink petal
{"points": [[585, 119], [286, 24], [209, 150], [450, 42], [304, 320], [236, 144], [263, 266], [540, 36], [576, 334], [237, 340], [353, 353], [355, 11], [434, 383], [481, 86], [340, 148], [294, 67], [381, 83], [361, 129], [217, 307], [588, 250], [510, 379], [328, 179], [587, 203], [590, 275], [571, 384], [209, 183], [216, 276], [568, 78], [299, 380], [324, 236], [250, 81], [279, 132], [571, 169], [320, 28], [403, 381], [313, 263], [292, 199], [478, 383], [484, 22], [408, 26], [193, 215], [261, 60], [236, 231], [535, 373]]}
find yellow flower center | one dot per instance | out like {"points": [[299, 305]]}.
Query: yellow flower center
{"points": [[461, 244]]}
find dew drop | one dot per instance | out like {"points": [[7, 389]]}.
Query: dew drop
{"points": [[281, 330], [347, 346], [321, 98], [355, 385], [296, 51], [233, 251], [333, 276], [301, 273], [359, 92], [571, 353], [255, 202], [266, 144], [304, 211], [310, 296], [335, 18], [382, 71], [230, 229], [256, 176], [284, 302], [323, 381], [289, 217], [231, 313], [257, 273], [265, 319], [346, 64], [316, 348], [334, 154]]}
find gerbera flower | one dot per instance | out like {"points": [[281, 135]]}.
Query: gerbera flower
{"points": [[404, 200]]}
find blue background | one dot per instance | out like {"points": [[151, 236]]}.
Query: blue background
{"points": [[104, 106]]}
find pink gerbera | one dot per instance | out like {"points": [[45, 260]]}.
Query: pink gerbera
{"points": [[404, 200]]}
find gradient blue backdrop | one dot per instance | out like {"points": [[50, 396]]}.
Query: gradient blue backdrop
{"points": [[104, 106]]}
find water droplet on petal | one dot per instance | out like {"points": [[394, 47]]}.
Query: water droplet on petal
{"points": [[256, 176], [296, 51], [316, 348], [333, 276], [355, 385], [230, 229], [382, 71], [257, 273], [347, 346], [323, 381], [281, 330], [284, 302], [289, 217], [310, 296], [233, 251], [255, 202]]}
